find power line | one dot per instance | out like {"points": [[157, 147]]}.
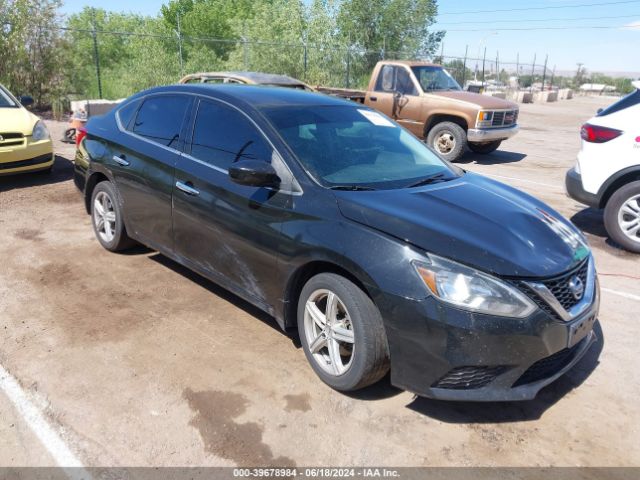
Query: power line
{"points": [[539, 20], [542, 8], [565, 27]]}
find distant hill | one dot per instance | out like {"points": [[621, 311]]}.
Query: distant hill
{"points": [[571, 73]]}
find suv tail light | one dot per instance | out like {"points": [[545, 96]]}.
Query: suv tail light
{"points": [[596, 134], [80, 134]]}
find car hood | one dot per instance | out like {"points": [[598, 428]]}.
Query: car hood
{"points": [[476, 221], [17, 120], [482, 101]]}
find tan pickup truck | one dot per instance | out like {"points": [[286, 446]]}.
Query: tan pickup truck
{"points": [[426, 100]]}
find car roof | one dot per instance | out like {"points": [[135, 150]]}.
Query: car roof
{"points": [[411, 63], [257, 96]]}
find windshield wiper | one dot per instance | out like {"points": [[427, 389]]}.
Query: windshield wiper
{"points": [[352, 188], [439, 177]]}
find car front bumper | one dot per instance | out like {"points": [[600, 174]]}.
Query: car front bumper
{"points": [[483, 135], [442, 352], [575, 189], [28, 157]]}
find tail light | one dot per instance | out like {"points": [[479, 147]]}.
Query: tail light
{"points": [[80, 134], [596, 134]]}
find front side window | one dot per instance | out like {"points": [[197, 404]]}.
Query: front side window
{"points": [[6, 99], [394, 79], [344, 146], [433, 78], [160, 119], [222, 136]]}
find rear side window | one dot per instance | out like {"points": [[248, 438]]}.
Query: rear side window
{"points": [[160, 119], [625, 102], [222, 135], [126, 114]]}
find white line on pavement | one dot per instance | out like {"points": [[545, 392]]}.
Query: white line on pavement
{"points": [[34, 418], [630, 296]]}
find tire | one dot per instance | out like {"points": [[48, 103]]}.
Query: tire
{"points": [[367, 360], [485, 148], [109, 228], [624, 208], [448, 140]]}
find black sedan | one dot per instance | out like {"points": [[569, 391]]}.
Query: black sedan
{"points": [[337, 221]]}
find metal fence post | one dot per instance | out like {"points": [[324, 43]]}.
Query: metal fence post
{"points": [[464, 66], [484, 58], [533, 72], [518, 69], [96, 52], [348, 65], [179, 34], [544, 72], [304, 76]]}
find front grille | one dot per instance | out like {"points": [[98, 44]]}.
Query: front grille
{"points": [[544, 306], [467, 378], [549, 366], [559, 286], [504, 118], [11, 139]]}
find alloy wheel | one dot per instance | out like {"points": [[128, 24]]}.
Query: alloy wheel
{"points": [[104, 217], [329, 332], [629, 218]]}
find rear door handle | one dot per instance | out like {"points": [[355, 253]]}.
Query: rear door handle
{"points": [[373, 99], [187, 188], [121, 160]]}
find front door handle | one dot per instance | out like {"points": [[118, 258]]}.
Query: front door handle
{"points": [[373, 99], [187, 188], [121, 160]]}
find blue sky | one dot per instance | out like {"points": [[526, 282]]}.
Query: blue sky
{"points": [[601, 49]]}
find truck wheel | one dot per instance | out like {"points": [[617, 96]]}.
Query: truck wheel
{"points": [[485, 148], [448, 139], [622, 217], [341, 332]]}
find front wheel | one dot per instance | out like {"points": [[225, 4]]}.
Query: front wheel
{"points": [[341, 332], [448, 139], [622, 217], [485, 148]]}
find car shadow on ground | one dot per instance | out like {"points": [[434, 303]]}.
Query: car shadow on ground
{"points": [[496, 158], [504, 412], [220, 292], [591, 222], [62, 171]]}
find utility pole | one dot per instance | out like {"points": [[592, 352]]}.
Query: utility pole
{"points": [[96, 52]]}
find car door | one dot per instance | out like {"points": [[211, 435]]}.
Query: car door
{"points": [[228, 231], [396, 95], [143, 166]]}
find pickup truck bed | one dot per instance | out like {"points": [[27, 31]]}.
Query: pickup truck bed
{"points": [[354, 95]]}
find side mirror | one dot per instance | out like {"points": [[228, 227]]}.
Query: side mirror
{"points": [[26, 100], [254, 173]]}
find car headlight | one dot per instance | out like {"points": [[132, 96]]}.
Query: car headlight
{"points": [[40, 132], [471, 289], [485, 119]]}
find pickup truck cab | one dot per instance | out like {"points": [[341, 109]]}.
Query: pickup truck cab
{"points": [[426, 100]]}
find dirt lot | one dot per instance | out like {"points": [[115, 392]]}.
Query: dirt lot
{"points": [[134, 361]]}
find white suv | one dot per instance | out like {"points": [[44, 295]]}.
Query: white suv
{"points": [[607, 174]]}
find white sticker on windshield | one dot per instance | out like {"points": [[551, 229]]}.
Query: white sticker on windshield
{"points": [[376, 118]]}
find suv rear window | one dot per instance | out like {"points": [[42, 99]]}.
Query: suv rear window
{"points": [[625, 102]]}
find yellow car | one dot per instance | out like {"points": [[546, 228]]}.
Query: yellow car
{"points": [[25, 143]]}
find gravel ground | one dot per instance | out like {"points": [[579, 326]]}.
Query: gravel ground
{"points": [[135, 361]]}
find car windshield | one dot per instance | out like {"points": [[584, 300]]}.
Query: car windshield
{"points": [[6, 99], [434, 78], [355, 148]]}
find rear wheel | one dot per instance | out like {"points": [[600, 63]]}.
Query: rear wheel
{"points": [[448, 139], [485, 148], [341, 332], [106, 216], [622, 217]]}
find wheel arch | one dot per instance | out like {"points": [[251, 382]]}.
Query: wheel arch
{"points": [[94, 179], [304, 272], [617, 181], [437, 118]]}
